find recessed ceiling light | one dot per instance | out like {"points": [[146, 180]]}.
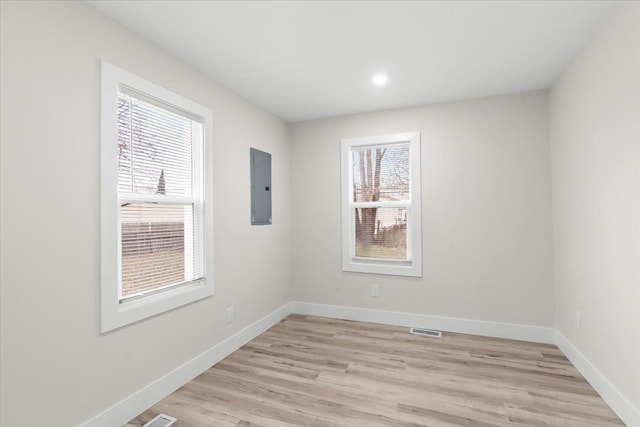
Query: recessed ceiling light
{"points": [[379, 79]]}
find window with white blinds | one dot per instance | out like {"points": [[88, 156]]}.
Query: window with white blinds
{"points": [[159, 189], [156, 225], [381, 204]]}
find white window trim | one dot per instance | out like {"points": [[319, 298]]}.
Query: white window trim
{"points": [[113, 313], [412, 267]]}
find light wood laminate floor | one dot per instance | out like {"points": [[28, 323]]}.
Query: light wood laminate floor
{"points": [[313, 371]]}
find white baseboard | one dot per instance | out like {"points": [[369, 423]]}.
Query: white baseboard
{"points": [[622, 406], [130, 407], [450, 324]]}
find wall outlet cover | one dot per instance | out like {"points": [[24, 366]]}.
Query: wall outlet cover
{"points": [[375, 291]]}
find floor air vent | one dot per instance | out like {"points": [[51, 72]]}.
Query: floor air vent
{"points": [[161, 420], [426, 332]]}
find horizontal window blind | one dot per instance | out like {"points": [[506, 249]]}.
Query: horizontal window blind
{"points": [[381, 173], [388, 233], [155, 149], [160, 196], [381, 195]]}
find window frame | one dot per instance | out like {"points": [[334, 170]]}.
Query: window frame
{"points": [[411, 267], [116, 313]]}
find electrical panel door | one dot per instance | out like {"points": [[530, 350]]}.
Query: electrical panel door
{"points": [[260, 187]]}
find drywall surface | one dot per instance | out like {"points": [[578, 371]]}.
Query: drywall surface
{"points": [[595, 151], [57, 369], [486, 213]]}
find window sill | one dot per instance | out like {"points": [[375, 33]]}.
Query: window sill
{"points": [[391, 268], [117, 315]]}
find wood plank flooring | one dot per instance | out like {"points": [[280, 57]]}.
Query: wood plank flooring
{"points": [[312, 371]]}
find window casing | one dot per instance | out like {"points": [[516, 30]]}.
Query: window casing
{"points": [[381, 217], [156, 213]]}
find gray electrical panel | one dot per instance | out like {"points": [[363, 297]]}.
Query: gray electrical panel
{"points": [[260, 187]]}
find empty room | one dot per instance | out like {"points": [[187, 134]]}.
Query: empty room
{"points": [[320, 213]]}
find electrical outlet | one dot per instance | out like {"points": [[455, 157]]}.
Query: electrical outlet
{"points": [[230, 314], [576, 319], [375, 291]]}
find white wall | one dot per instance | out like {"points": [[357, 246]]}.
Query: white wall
{"points": [[595, 150], [486, 212], [56, 368]]}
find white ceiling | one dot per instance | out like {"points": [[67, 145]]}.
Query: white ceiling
{"points": [[304, 60]]}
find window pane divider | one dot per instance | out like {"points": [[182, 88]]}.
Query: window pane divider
{"points": [[156, 198], [381, 204]]}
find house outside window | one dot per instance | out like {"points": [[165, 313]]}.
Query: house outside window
{"points": [[381, 220]]}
